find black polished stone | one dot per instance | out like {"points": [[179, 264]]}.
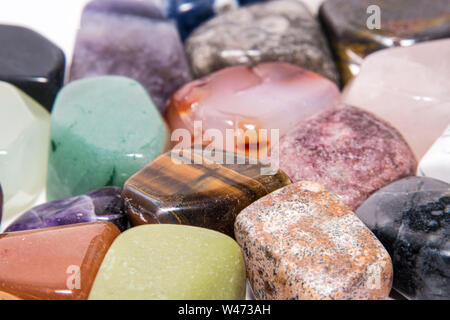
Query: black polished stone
{"points": [[411, 217], [32, 63]]}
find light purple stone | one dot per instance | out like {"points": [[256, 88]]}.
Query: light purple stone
{"points": [[102, 204], [134, 39]]}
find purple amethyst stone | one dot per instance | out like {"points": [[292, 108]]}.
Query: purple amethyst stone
{"points": [[102, 204], [133, 39]]}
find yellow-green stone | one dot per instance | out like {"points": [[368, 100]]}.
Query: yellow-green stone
{"points": [[171, 262], [103, 130]]}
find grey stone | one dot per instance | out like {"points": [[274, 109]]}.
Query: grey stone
{"points": [[281, 30]]}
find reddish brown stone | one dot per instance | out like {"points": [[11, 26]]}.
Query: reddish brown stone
{"points": [[42, 264], [349, 151]]}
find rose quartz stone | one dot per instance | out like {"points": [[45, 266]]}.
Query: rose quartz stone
{"points": [[272, 95], [349, 151], [408, 87]]}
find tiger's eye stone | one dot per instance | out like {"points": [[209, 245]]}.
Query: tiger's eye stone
{"points": [[134, 39], [402, 23], [301, 242], [54, 263], [32, 63], [436, 162], [196, 190], [349, 151], [250, 99], [103, 130], [411, 217], [171, 262], [409, 88], [282, 30], [24, 144], [104, 204]]}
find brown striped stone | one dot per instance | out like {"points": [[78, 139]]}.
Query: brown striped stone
{"points": [[197, 190], [302, 242]]}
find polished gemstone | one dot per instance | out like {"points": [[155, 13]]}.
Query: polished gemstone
{"points": [[32, 63], [133, 39], [24, 142], [436, 162], [104, 204], [408, 87], [194, 188], [103, 130], [7, 296], [349, 151], [166, 262], [282, 30], [411, 217], [271, 96], [189, 14], [301, 242], [54, 263], [357, 28]]}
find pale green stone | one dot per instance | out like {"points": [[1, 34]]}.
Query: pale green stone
{"points": [[24, 141], [103, 130], [171, 262]]}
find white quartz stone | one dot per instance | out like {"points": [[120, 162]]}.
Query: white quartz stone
{"points": [[436, 162], [24, 142], [410, 88]]}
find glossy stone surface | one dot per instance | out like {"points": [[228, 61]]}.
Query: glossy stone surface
{"points": [[171, 262], [402, 24], [407, 87], [54, 263], [32, 63], [106, 120], [133, 39], [436, 162], [347, 150], [194, 189], [250, 99], [282, 30], [411, 219], [301, 242], [104, 204], [24, 142]]}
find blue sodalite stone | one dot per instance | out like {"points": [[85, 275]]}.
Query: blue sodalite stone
{"points": [[189, 14], [102, 204]]}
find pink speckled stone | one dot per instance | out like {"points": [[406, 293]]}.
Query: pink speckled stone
{"points": [[301, 242], [349, 151]]}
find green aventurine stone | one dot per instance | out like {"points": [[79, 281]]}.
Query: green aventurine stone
{"points": [[103, 130], [162, 261]]}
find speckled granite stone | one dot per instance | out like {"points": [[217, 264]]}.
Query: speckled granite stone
{"points": [[282, 30], [411, 217], [133, 39], [302, 242], [104, 204], [349, 151], [403, 23]]}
